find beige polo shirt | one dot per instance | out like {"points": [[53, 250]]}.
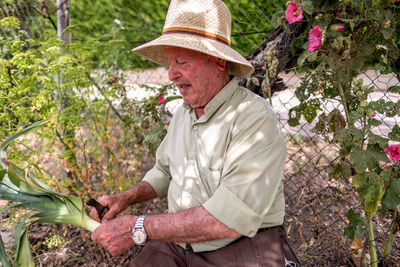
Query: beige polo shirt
{"points": [[230, 161]]}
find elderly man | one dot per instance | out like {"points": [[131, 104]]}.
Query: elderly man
{"points": [[221, 163]]}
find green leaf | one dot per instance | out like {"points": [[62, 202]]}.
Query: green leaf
{"points": [[23, 253], [370, 187], [18, 183], [10, 194], [359, 159], [373, 123], [394, 89], [308, 7], [312, 57], [309, 109], [172, 98], [3, 255], [356, 225], [294, 119], [74, 204], [345, 169], [395, 133], [340, 169], [6, 143], [302, 58], [357, 4], [376, 139], [387, 32], [391, 199], [358, 135], [376, 154], [154, 138]]}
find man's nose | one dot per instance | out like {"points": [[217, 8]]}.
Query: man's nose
{"points": [[173, 73]]}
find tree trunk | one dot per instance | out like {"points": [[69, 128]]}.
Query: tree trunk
{"points": [[279, 40]]}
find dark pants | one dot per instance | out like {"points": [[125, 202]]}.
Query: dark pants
{"points": [[266, 248]]}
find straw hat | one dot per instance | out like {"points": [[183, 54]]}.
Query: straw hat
{"points": [[201, 25]]}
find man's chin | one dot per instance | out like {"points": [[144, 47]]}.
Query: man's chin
{"points": [[186, 101]]}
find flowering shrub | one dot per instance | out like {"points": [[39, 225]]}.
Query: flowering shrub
{"points": [[343, 39], [314, 39], [153, 109], [394, 152], [293, 14]]}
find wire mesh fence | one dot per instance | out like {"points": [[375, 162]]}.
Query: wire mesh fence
{"points": [[316, 205]]}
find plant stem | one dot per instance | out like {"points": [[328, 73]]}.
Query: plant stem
{"points": [[344, 103], [389, 242], [372, 246], [91, 224]]}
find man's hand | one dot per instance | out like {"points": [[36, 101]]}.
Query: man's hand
{"points": [[115, 235], [116, 203]]}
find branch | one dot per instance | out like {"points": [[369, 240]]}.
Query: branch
{"points": [[46, 14], [280, 39]]}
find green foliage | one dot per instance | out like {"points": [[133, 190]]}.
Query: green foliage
{"points": [[356, 226], [23, 255], [19, 185], [250, 22], [45, 79], [392, 195], [112, 28], [367, 38], [3, 256], [54, 240]]}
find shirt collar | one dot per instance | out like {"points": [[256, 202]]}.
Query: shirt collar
{"points": [[224, 94]]}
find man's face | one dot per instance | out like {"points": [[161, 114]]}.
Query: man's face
{"points": [[196, 75]]}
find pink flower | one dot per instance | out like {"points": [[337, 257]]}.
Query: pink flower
{"points": [[314, 39], [293, 14], [373, 115], [339, 27], [161, 100], [394, 152]]}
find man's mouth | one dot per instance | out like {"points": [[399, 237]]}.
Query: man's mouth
{"points": [[183, 86]]}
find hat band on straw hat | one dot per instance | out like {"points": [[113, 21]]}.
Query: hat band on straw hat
{"points": [[197, 32]]}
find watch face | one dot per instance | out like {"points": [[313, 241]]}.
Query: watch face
{"points": [[139, 237]]}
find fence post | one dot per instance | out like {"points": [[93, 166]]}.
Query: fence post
{"points": [[63, 20]]}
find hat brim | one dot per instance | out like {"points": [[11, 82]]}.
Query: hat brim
{"points": [[153, 51]]}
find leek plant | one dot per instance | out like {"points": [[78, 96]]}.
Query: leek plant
{"points": [[24, 190]]}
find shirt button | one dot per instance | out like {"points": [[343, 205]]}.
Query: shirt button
{"points": [[195, 128]]}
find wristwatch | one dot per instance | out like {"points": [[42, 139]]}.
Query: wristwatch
{"points": [[139, 235]]}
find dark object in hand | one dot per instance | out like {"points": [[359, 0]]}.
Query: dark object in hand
{"points": [[101, 210]]}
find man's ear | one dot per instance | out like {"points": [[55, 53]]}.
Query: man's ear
{"points": [[221, 64]]}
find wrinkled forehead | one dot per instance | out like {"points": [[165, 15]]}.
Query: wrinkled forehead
{"points": [[172, 52], [175, 50]]}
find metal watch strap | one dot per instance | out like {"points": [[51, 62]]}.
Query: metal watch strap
{"points": [[139, 222]]}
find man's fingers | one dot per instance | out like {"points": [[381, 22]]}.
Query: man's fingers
{"points": [[95, 235], [94, 215], [109, 215]]}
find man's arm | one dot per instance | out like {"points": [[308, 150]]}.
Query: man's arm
{"points": [[188, 226], [117, 203]]}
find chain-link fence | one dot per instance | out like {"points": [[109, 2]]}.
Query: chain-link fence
{"points": [[316, 205]]}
